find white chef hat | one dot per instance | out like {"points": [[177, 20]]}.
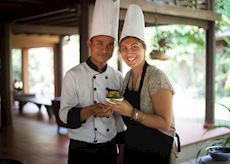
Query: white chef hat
{"points": [[134, 24], [105, 18]]}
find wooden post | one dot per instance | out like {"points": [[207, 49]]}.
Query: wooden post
{"points": [[119, 63], [210, 67], [58, 67], [6, 82], [25, 70], [84, 31]]}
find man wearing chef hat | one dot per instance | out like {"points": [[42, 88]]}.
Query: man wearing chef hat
{"points": [[93, 126], [147, 109]]}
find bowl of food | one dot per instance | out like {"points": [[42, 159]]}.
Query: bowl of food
{"points": [[219, 153], [113, 95]]}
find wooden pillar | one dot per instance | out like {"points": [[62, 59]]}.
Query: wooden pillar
{"points": [[210, 72], [84, 31], [25, 70], [6, 82], [58, 67], [119, 63]]}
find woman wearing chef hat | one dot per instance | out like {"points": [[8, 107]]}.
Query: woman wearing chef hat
{"points": [[147, 108], [93, 127]]}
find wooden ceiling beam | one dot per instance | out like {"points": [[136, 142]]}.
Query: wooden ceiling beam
{"points": [[39, 13], [38, 29], [53, 18], [48, 7], [175, 11], [33, 41], [59, 22], [152, 19]]}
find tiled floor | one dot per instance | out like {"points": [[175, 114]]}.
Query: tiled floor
{"points": [[33, 140]]}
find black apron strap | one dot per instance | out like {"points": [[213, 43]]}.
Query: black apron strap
{"points": [[142, 77], [178, 142]]}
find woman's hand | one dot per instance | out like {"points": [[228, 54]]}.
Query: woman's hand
{"points": [[122, 107]]}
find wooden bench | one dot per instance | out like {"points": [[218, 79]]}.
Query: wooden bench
{"points": [[39, 101], [52, 106]]}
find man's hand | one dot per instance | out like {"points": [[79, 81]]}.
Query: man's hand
{"points": [[102, 110]]}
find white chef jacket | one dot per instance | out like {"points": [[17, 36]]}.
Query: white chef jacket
{"points": [[83, 86]]}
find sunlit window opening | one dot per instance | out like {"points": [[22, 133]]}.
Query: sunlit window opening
{"points": [[41, 76], [184, 65], [71, 52]]}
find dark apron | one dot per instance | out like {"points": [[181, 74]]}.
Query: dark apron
{"points": [[142, 142]]}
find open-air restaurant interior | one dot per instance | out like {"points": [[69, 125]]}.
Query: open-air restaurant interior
{"points": [[40, 40]]}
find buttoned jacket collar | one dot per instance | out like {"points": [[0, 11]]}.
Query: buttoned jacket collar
{"points": [[93, 66]]}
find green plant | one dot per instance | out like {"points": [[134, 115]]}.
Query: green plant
{"points": [[223, 141], [160, 44], [227, 139], [225, 106]]}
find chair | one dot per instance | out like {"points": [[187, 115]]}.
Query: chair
{"points": [[56, 108]]}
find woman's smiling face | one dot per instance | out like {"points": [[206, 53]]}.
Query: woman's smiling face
{"points": [[132, 51]]}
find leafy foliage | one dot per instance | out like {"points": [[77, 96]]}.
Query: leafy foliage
{"points": [[186, 50], [186, 47], [223, 58], [17, 64]]}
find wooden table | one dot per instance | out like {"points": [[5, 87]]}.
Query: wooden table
{"points": [[39, 101]]}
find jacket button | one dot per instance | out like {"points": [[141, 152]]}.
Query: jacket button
{"points": [[106, 77], [95, 141], [94, 77], [95, 89], [107, 116], [95, 129], [95, 116], [95, 102], [107, 130]]}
